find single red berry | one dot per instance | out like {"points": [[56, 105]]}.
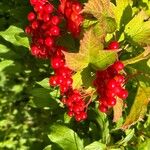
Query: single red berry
{"points": [[83, 115], [70, 113], [111, 101], [118, 65], [28, 30], [78, 117], [55, 20], [49, 41], [53, 80], [57, 62], [35, 24], [110, 93], [111, 84], [46, 18], [113, 45], [48, 8], [55, 30], [103, 108], [119, 78], [77, 7], [123, 94], [38, 7], [63, 89], [31, 16]]}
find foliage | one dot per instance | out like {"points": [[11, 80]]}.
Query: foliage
{"points": [[33, 118]]}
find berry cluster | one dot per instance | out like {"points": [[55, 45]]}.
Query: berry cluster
{"points": [[109, 84], [71, 9], [76, 105], [43, 28], [63, 79]]}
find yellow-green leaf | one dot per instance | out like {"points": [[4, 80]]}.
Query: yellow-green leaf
{"points": [[91, 52], [139, 107], [118, 110], [138, 29], [98, 8]]}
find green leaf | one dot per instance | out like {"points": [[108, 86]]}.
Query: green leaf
{"points": [[42, 98], [138, 29], [49, 147], [44, 83], [5, 63], [4, 49], [15, 36], [144, 145], [95, 146], [139, 107], [123, 12], [91, 52], [65, 137], [76, 61], [103, 123], [77, 80], [88, 23], [129, 135], [101, 9], [98, 8], [142, 56], [87, 77]]}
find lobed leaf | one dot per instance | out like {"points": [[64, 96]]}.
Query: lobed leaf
{"points": [[91, 52], [139, 107], [15, 36], [138, 29], [95, 146], [65, 137], [5, 63]]}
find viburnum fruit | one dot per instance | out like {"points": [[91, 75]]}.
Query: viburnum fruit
{"points": [[110, 85], [43, 28], [72, 11], [113, 45]]}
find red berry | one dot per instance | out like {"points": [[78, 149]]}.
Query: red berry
{"points": [[111, 101], [49, 41], [48, 8], [111, 84], [119, 78], [57, 62], [31, 16], [55, 30], [35, 24], [118, 65], [103, 108], [76, 7], [53, 80], [113, 45], [123, 94], [55, 20], [70, 114]]}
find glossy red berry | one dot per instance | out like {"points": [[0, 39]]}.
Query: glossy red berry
{"points": [[57, 62], [111, 102], [103, 108], [55, 20], [113, 45], [31, 16], [118, 65], [123, 94], [55, 30], [53, 80], [49, 41], [111, 84]]}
